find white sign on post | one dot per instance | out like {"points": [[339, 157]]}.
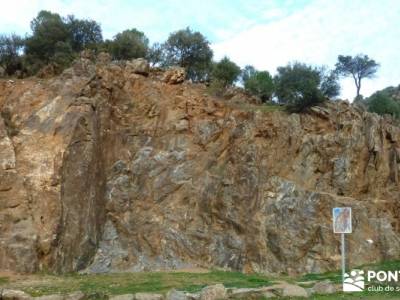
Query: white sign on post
{"points": [[342, 220], [342, 224]]}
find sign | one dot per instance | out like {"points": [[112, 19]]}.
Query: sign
{"points": [[342, 220]]}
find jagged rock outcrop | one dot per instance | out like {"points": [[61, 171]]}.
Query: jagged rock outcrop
{"points": [[104, 170]]}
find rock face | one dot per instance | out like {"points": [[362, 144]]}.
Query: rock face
{"points": [[104, 171], [174, 75], [138, 66]]}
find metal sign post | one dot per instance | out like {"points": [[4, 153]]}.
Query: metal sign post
{"points": [[343, 257], [342, 225]]}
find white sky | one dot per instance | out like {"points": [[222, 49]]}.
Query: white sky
{"points": [[264, 33]]}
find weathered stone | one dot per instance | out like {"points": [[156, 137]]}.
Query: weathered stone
{"points": [[213, 292], [250, 293], [98, 173], [75, 296], [51, 297], [138, 66], [14, 295], [291, 290], [176, 295], [174, 75], [148, 296], [103, 58], [324, 287], [182, 125], [123, 297]]}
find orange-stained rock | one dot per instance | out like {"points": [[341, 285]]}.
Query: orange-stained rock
{"points": [[104, 171]]}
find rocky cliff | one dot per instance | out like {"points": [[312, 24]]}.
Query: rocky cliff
{"points": [[103, 169]]}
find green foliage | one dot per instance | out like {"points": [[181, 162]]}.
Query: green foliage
{"points": [[329, 85], [84, 34], [47, 30], [56, 41], [63, 55], [10, 53], [247, 72], [190, 50], [155, 55], [358, 67], [382, 104], [225, 72], [259, 83], [129, 44], [301, 86]]}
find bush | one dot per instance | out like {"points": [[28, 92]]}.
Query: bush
{"points": [[56, 41], [382, 104], [47, 30], [155, 55], [190, 50], [259, 83], [128, 44], [225, 72], [10, 53], [301, 86], [84, 34]]}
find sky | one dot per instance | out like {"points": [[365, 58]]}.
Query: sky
{"points": [[262, 33]]}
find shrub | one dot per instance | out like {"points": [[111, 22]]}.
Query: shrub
{"points": [[225, 71], [301, 86], [10, 53], [84, 34], [190, 50], [47, 30], [155, 55], [382, 104], [260, 83], [129, 44]]}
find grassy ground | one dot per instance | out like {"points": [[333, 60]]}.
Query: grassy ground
{"points": [[123, 283], [161, 282]]}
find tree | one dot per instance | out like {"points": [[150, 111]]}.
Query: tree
{"points": [[359, 67], [190, 50], [301, 86], [47, 30], [225, 71], [129, 44], [382, 104], [10, 53], [83, 34], [259, 83], [329, 82], [247, 72], [155, 55]]}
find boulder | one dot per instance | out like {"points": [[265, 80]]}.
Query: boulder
{"points": [[182, 125], [324, 287], [138, 66], [103, 58], [174, 75], [148, 296], [51, 297], [123, 297], [213, 292], [75, 296], [176, 295], [291, 290], [14, 295], [251, 293]]}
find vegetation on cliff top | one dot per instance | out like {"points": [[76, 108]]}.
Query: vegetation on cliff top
{"points": [[57, 40]]}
